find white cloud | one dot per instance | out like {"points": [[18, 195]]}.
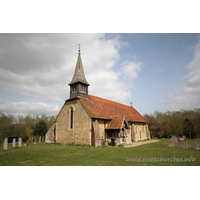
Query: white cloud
{"points": [[187, 94], [42, 65], [28, 107], [130, 70]]}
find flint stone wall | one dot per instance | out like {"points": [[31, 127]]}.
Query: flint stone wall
{"points": [[81, 132]]}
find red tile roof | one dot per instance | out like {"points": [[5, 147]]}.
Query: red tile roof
{"points": [[105, 109], [115, 123]]}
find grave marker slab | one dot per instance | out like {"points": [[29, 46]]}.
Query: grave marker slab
{"points": [[174, 139], [170, 144], [183, 144], [5, 144], [13, 143], [20, 142], [40, 139], [197, 144]]}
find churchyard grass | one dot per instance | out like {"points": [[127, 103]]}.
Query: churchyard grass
{"points": [[153, 154]]}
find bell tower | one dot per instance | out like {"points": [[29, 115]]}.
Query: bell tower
{"points": [[79, 84]]}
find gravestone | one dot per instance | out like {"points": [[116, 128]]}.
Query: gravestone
{"points": [[174, 139], [24, 145], [197, 144], [13, 143], [170, 144], [20, 142], [183, 144], [40, 139], [5, 144]]}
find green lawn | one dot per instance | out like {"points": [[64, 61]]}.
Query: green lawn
{"points": [[68, 155]]}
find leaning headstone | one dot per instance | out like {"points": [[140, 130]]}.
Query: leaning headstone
{"points": [[40, 139], [183, 144], [197, 144], [13, 143], [174, 139], [20, 142], [170, 144], [5, 144]]}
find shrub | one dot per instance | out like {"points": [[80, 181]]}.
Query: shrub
{"points": [[120, 145]]}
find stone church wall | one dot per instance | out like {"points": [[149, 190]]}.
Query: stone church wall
{"points": [[140, 130], [102, 128], [49, 137], [81, 132]]}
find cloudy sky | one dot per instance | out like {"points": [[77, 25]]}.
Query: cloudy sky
{"points": [[154, 71]]}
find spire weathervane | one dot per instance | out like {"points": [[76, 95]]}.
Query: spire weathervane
{"points": [[79, 51]]}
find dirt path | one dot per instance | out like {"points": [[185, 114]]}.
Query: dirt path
{"points": [[135, 144]]}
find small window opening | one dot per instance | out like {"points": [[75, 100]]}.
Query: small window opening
{"points": [[71, 121], [83, 88], [74, 88]]}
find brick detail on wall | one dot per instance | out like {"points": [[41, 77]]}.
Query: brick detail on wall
{"points": [[97, 133]]}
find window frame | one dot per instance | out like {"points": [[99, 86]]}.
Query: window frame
{"points": [[71, 118]]}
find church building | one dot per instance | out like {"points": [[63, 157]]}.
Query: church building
{"points": [[88, 119]]}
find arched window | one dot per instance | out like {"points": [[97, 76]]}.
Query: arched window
{"points": [[71, 118]]}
